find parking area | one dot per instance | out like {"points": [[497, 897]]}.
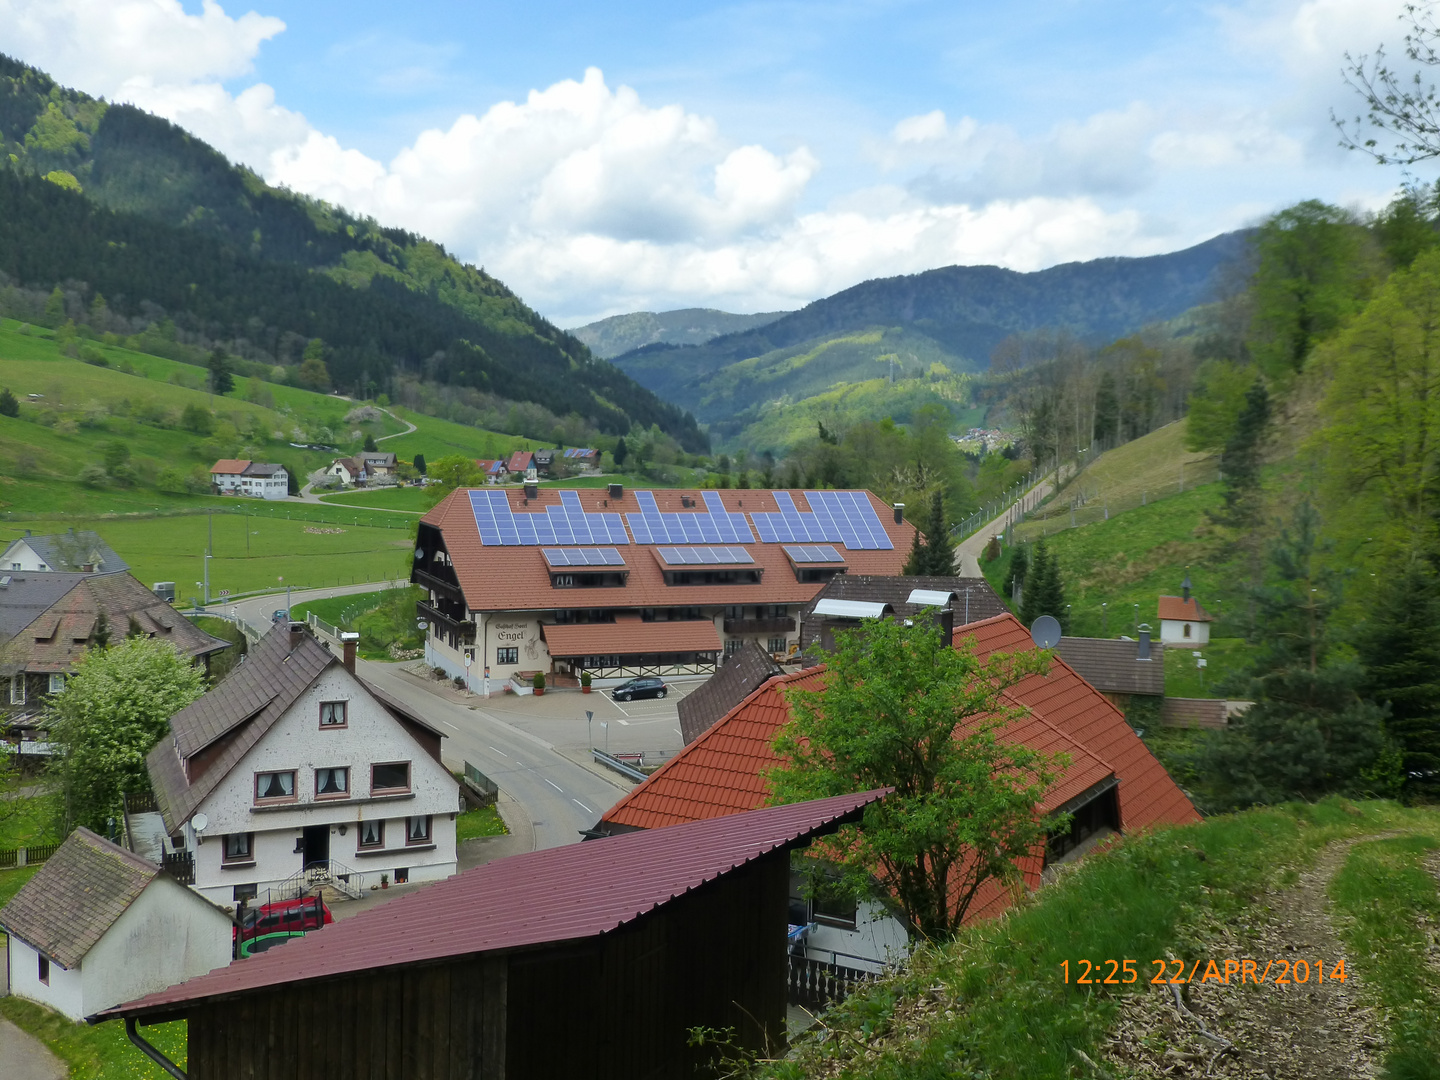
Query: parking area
{"points": [[651, 726]]}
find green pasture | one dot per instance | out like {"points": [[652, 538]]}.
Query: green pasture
{"points": [[438, 438], [409, 499]]}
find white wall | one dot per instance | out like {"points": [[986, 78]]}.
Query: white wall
{"points": [[22, 553], [297, 742], [879, 937], [64, 994], [168, 934], [1172, 632]]}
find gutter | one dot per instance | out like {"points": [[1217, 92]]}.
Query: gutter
{"points": [[150, 1052]]}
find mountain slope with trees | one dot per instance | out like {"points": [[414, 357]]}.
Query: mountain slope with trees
{"points": [[608, 338], [107, 201]]}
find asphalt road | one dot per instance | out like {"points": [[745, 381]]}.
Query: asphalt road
{"points": [[559, 795]]}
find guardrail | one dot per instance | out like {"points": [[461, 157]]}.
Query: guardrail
{"points": [[611, 762], [480, 789]]}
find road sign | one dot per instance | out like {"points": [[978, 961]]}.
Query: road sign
{"points": [[224, 592]]}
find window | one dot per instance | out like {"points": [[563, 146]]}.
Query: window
{"points": [[564, 581], [332, 782], [57, 683], [417, 830], [274, 785], [732, 646], [45, 970], [372, 834], [402, 875], [777, 644], [243, 893], [734, 611], [17, 690], [239, 848], [332, 714], [1187, 629], [509, 655], [394, 776]]}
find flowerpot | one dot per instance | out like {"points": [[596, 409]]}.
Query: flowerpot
{"points": [[539, 692], [584, 689], [384, 884]]}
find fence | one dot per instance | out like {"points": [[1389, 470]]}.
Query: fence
{"points": [[817, 984], [180, 865], [478, 789], [1083, 502], [34, 855], [316, 514], [1020, 491]]}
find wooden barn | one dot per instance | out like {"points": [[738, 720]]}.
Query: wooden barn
{"points": [[587, 961]]}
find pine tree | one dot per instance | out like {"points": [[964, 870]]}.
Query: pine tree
{"points": [[55, 308], [1044, 591], [1019, 565], [621, 452], [222, 380], [915, 561], [939, 555], [1240, 461], [8, 405], [420, 464], [1107, 410], [370, 447]]}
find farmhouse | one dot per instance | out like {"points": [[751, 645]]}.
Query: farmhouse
{"points": [[590, 962], [294, 771], [622, 583], [1183, 621], [257, 479], [520, 463], [97, 926], [68, 552], [377, 464], [1113, 784]]}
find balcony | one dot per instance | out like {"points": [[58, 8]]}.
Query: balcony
{"points": [[782, 624], [438, 586], [463, 630]]}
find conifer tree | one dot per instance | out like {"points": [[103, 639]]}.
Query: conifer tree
{"points": [[1240, 461], [939, 555], [370, 447], [1019, 566], [1044, 591], [222, 380], [621, 452], [420, 464], [8, 405]]}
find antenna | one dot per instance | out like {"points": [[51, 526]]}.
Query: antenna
{"points": [[1045, 632], [198, 822]]}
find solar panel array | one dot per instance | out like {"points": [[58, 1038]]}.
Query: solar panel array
{"points": [[716, 526], [704, 556], [813, 553], [836, 516], [567, 523], [582, 556]]}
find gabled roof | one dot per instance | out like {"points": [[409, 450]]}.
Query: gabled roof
{"points": [[54, 640], [29, 594], [244, 706], [520, 460], [974, 598], [1173, 607], [69, 551], [1113, 665], [230, 466], [743, 672], [76, 896], [546, 897], [721, 772], [263, 468]]}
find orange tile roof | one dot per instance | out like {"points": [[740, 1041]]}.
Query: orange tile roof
{"points": [[517, 578], [628, 636], [1172, 607], [721, 772], [229, 465]]}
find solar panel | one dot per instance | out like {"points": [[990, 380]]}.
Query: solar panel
{"points": [[835, 517], [582, 557], [567, 523], [704, 556], [813, 553], [714, 525]]}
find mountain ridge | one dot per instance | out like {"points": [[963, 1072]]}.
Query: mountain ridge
{"points": [[610, 337]]}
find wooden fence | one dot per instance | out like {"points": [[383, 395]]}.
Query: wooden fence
{"points": [[34, 855]]}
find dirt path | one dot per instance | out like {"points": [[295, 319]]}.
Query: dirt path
{"points": [[1314, 1029]]}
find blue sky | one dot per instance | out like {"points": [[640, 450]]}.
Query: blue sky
{"points": [[750, 156]]}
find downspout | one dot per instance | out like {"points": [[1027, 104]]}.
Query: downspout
{"points": [[150, 1052]]}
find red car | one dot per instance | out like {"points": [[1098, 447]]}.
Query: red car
{"points": [[300, 915]]}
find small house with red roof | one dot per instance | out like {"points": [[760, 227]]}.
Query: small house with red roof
{"points": [[1112, 785], [521, 462], [1183, 621]]}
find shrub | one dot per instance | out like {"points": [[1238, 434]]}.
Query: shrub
{"points": [[538, 682], [8, 405], [459, 682], [93, 475], [585, 679]]}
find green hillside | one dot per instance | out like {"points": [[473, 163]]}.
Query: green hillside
{"points": [[107, 201], [688, 326]]}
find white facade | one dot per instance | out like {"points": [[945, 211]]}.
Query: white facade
{"points": [[879, 939], [1194, 632], [340, 471], [274, 485], [286, 833], [166, 935], [20, 556], [228, 483]]}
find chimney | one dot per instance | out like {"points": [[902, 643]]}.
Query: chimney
{"points": [[617, 491], [532, 491], [1142, 651], [899, 513], [297, 631], [1185, 586], [347, 642]]}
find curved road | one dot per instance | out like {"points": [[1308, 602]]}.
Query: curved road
{"points": [[559, 796]]}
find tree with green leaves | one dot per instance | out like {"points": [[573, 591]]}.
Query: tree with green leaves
{"points": [[1107, 410], [55, 307], [902, 708], [222, 375], [1019, 567], [935, 557], [1044, 590], [1243, 455], [8, 405], [621, 452], [113, 710], [454, 471], [1310, 732], [369, 446], [1216, 399], [420, 464]]}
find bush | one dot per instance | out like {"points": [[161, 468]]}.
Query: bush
{"points": [[93, 475], [538, 682], [459, 682], [585, 679]]}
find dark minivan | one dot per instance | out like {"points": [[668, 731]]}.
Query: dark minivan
{"points": [[639, 688]]}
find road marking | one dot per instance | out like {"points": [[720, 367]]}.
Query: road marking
{"points": [[502, 753], [553, 784], [678, 732], [451, 726], [582, 806], [623, 722]]}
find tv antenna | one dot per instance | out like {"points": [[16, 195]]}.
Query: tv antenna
{"points": [[1045, 632]]}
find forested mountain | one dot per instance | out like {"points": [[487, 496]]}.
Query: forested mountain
{"points": [[108, 200], [930, 325], [688, 326]]}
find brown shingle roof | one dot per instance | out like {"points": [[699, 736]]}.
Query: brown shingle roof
{"points": [[76, 896], [1113, 666], [630, 636], [974, 598], [1173, 607], [243, 707], [517, 578], [742, 673], [229, 466]]}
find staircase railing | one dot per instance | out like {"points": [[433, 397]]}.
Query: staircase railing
{"points": [[317, 875]]}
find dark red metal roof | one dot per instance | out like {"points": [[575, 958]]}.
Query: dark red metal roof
{"points": [[546, 897]]}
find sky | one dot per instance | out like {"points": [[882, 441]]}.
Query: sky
{"points": [[751, 156]]}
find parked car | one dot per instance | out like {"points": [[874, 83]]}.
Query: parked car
{"points": [[285, 916], [279, 615], [640, 688]]}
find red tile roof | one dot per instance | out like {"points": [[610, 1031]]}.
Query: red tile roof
{"points": [[520, 460], [229, 466], [1172, 607], [628, 636], [721, 772], [546, 897], [517, 578]]}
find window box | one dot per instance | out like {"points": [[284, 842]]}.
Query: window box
{"points": [[275, 787], [334, 714], [332, 783], [390, 778]]}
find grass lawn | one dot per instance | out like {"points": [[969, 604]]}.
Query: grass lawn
{"points": [[412, 499], [28, 820], [12, 881], [438, 438], [101, 1052], [1223, 657], [381, 617], [485, 821]]}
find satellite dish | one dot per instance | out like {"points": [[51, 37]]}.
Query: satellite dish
{"points": [[420, 553], [198, 822], [1045, 632]]}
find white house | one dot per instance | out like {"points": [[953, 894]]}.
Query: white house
{"points": [[98, 926], [294, 770], [257, 479], [1182, 620], [69, 552]]}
